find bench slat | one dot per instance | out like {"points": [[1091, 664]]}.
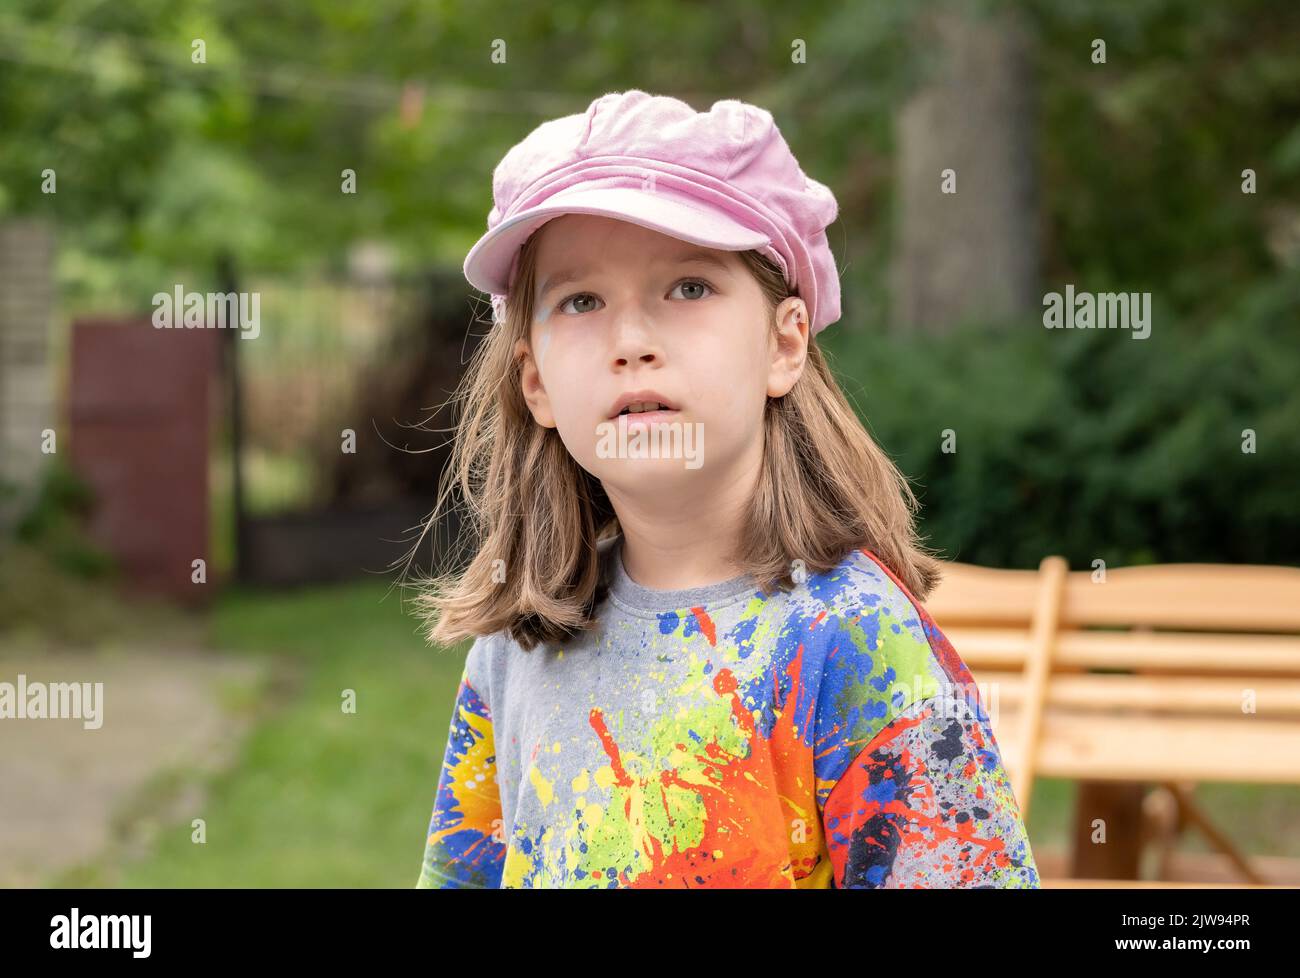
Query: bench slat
{"points": [[1134, 748], [1249, 598], [1164, 651], [1274, 698], [986, 595], [1230, 597]]}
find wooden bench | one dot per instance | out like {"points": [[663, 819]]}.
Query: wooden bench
{"points": [[1132, 678]]}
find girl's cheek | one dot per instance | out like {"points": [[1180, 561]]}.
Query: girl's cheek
{"points": [[577, 356], [555, 353]]}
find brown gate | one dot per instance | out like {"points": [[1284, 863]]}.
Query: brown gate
{"points": [[140, 407]]}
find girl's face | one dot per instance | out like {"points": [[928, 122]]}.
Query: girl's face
{"points": [[623, 311]]}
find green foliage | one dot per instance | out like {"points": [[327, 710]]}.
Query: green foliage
{"points": [[1141, 158], [161, 161], [1086, 444], [55, 584], [1092, 444], [55, 523]]}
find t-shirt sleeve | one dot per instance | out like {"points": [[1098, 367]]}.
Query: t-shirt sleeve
{"points": [[464, 847], [911, 784]]}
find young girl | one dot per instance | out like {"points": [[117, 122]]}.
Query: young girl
{"points": [[700, 657]]}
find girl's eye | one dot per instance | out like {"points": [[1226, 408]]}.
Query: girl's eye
{"points": [[578, 296], [691, 283], [695, 283]]}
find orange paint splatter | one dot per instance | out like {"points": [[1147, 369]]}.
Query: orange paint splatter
{"points": [[707, 628], [746, 828]]}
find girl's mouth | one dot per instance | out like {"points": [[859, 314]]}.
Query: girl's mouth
{"points": [[655, 416], [642, 402]]}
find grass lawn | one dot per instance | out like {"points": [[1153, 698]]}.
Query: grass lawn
{"points": [[319, 797]]}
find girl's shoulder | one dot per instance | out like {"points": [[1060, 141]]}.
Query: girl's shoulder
{"points": [[876, 618], [483, 663], [862, 582]]}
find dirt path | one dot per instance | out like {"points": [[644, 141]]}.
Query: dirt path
{"points": [[167, 715]]}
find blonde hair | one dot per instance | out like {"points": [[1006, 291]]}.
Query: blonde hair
{"points": [[825, 488]]}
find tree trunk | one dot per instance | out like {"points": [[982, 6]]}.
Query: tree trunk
{"points": [[972, 254]]}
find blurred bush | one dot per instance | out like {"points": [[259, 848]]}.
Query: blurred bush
{"points": [[56, 586], [55, 524], [1092, 444]]}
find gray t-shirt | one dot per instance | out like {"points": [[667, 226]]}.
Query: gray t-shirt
{"points": [[824, 736]]}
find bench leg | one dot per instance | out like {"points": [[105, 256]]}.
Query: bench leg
{"points": [[1118, 804], [1162, 820], [1193, 814]]}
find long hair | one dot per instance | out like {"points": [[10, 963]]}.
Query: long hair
{"points": [[531, 517]]}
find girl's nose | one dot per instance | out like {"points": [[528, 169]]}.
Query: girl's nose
{"points": [[634, 339]]}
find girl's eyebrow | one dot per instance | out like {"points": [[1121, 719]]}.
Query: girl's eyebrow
{"points": [[565, 275], [702, 258], [561, 277]]}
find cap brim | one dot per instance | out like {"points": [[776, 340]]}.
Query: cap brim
{"points": [[487, 266]]}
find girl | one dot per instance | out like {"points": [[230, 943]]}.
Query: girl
{"points": [[700, 657]]}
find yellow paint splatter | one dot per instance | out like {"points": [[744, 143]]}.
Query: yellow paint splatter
{"points": [[545, 790]]}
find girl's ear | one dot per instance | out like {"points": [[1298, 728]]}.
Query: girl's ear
{"points": [[530, 383], [788, 344]]}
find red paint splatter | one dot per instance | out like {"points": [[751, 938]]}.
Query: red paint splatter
{"points": [[707, 627], [597, 721], [846, 809]]}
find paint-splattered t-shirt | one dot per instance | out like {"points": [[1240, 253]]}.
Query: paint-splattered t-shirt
{"points": [[822, 736]]}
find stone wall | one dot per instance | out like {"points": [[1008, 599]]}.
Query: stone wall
{"points": [[26, 377]]}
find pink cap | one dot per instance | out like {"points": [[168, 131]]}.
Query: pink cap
{"points": [[723, 179]]}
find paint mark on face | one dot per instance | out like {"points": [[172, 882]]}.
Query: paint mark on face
{"points": [[541, 321]]}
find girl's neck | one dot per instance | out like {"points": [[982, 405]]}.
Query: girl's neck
{"points": [[670, 565], [685, 541]]}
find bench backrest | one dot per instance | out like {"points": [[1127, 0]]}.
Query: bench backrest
{"points": [[1166, 672]]}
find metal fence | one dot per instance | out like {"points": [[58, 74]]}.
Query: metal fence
{"points": [[329, 423]]}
